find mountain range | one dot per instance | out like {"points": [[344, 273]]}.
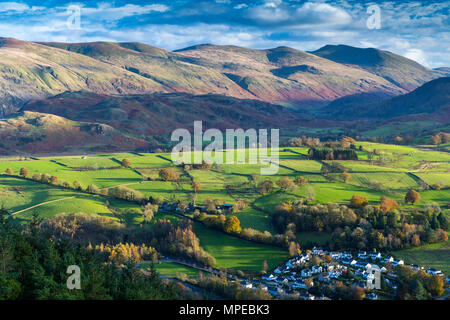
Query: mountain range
{"points": [[285, 76], [135, 91]]}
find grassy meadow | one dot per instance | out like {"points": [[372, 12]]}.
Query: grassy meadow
{"points": [[392, 172]]}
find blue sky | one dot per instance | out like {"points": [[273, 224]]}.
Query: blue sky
{"points": [[419, 30]]}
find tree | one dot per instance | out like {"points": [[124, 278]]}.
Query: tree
{"points": [[415, 241], [92, 188], [286, 184], [232, 225], [418, 291], [398, 140], [210, 207], [315, 261], [435, 222], [239, 205], [412, 197], [65, 184], [345, 176], [435, 285], [437, 186], [9, 171], [443, 221], [294, 248], [45, 178], [265, 186], [310, 194], [196, 186], [126, 163], [148, 211], [54, 180], [358, 201], [168, 174], [77, 185], [265, 267], [300, 181], [436, 139], [358, 293], [24, 172], [388, 204]]}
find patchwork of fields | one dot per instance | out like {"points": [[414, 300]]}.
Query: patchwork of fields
{"points": [[392, 173]]}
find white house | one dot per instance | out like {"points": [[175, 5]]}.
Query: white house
{"points": [[335, 255], [299, 285], [362, 264], [317, 251], [398, 263], [346, 255], [316, 269], [306, 273], [375, 256], [434, 272], [390, 259], [362, 255]]}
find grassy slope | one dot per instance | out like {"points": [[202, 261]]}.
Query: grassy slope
{"points": [[231, 252]]}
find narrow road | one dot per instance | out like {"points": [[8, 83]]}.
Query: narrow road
{"points": [[41, 204]]}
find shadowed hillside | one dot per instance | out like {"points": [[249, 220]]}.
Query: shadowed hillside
{"points": [[159, 114], [431, 101]]}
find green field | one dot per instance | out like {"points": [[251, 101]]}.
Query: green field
{"points": [[435, 255], [442, 178], [174, 270], [392, 174], [234, 253]]}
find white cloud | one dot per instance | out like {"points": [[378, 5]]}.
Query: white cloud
{"points": [[13, 7], [241, 6], [418, 56], [105, 11]]}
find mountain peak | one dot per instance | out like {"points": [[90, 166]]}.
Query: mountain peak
{"points": [[401, 71]]}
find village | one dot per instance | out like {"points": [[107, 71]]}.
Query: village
{"points": [[294, 278]]}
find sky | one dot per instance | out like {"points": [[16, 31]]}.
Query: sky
{"points": [[419, 30]]}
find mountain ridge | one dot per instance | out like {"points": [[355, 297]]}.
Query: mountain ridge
{"points": [[282, 75], [406, 73]]}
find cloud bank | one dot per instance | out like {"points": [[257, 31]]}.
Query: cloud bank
{"points": [[417, 30]]}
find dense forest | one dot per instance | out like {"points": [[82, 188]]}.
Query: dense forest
{"points": [[33, 266]]}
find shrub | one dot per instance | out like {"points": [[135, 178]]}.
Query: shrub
{"points": [[168, 174], [358, 201], [412, 196]]}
